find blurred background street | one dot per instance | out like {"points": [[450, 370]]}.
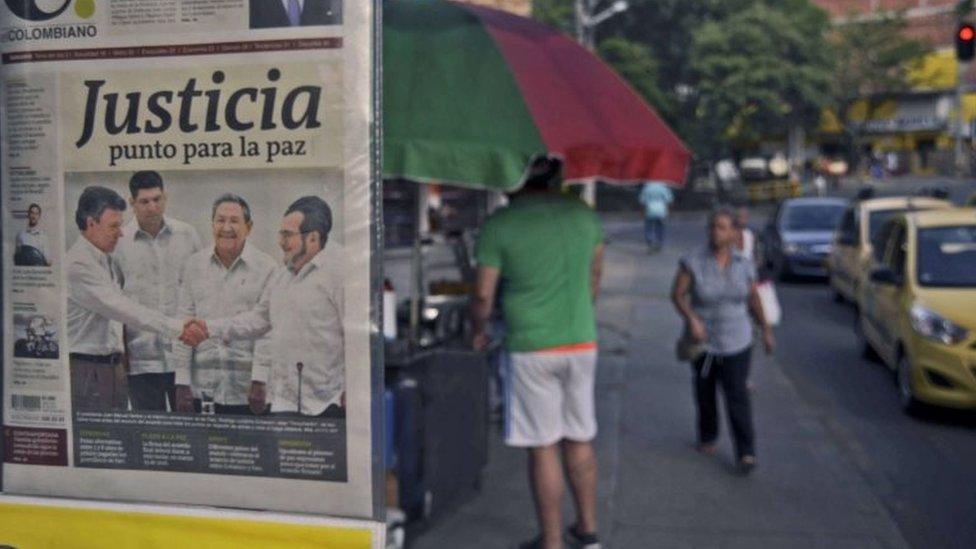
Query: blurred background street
{"points": [[758, 102], [840, 465]]}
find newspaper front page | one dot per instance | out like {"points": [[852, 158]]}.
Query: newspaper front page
{"points": [[186, 194]]}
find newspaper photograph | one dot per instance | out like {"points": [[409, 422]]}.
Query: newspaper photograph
{"points": [[186, 252]]}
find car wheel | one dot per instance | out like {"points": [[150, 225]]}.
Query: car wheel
{"points": [[906, 392], [867, 351]]}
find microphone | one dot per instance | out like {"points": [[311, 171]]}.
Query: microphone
{"points": [[299, 366]]}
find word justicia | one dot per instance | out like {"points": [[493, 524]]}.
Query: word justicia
{"points": [[240, 110]]}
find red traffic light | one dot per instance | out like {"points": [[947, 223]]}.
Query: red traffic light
{"points": [[965, 42]]}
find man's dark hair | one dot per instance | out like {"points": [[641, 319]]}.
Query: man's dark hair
{"points": [[544, 174], [32, 206], [318, 216], [721, 211], [93, 202], [235, 199], [145, 180]]}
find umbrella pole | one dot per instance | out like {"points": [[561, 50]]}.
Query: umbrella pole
{"points": [[416, 266]]}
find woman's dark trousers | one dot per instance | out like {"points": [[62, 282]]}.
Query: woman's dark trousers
{"points": [[731, 372]]}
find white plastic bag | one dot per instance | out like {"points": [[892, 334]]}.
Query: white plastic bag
{"points": [[770, 302]]}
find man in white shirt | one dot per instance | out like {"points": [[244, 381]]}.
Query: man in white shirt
{"points": [[151, 254], [219, 282], [98, 309], [745, 240], [32, 237], [299, 366]]}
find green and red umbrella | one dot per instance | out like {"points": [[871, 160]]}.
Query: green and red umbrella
{"points": [[471, 94]]}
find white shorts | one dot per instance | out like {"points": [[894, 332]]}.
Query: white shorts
{"points": [[550, 398]]}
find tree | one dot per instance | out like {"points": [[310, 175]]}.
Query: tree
{"points": [[874, 58], [632, 60], [560, 14], [665, 28], [762, 72], [635, 63], [668, 28]]}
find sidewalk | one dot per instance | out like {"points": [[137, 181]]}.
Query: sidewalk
{"points": [[655, 490]]}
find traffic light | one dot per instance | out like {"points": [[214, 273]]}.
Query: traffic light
{"points": [[965, 42]]}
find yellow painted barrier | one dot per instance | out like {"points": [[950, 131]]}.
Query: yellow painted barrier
{"points": [[773, 190], [28, 526]]}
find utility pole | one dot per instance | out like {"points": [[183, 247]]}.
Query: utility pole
{"points": [[965, 51], [960, 157], [586, 23], [584, 37]]}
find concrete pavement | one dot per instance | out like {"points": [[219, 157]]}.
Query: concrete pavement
{"points": [[656, 491]]}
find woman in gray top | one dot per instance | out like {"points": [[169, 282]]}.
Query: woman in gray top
{"points": [[715, 292]]}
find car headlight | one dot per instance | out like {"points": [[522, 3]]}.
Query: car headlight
{"points": [[931, 325]]}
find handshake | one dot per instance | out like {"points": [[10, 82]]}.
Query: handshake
{"points": [[194, 332]]}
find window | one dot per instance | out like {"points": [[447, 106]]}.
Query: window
{"points": [[896, 251], [879, 243], [946, 256], [820, 217], [878, 218]]}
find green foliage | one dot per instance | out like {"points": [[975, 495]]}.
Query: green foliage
{"points": [[634, 62], [873, 57], [727, 72], [759, 71], [668, 27], [964, 9], [555, 13]]}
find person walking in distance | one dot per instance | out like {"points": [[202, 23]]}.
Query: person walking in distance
{"points": [[714, 292], [745, 239], [546, 248], [656, 198]]}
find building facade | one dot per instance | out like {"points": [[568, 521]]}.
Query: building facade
{"points": [[914, 131], [933, 21]]}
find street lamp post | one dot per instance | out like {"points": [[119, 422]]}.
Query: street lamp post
{"points": [[586, 23]]}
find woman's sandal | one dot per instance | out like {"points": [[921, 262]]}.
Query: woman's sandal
{"points": [[707, 449], [746, 465]]}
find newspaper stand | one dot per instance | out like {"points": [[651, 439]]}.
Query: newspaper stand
{"points": [[275, 103]]}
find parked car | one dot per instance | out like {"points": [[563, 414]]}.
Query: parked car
{"points": [[799, 236], [862, 221], [918, 307]]}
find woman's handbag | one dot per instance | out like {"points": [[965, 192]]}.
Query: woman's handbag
{"points": [[687, 349], [772, 311]]}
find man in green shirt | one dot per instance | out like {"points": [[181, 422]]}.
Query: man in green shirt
{"points": [[546, 250]]}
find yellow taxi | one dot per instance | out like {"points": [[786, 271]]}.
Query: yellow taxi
{"points": [[918, 306], [850, 256]]}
